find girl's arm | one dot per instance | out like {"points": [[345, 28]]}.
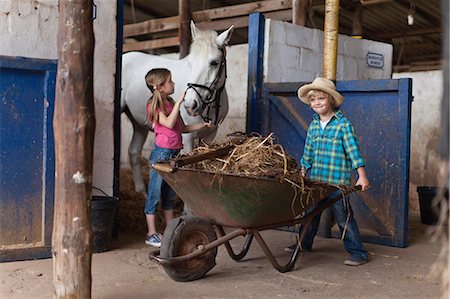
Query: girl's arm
{"points": [[170, 120], [196, 127]]}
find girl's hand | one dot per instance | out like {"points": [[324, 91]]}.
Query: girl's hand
{"points": [[181, 98], [363, 182], [209, 124]]}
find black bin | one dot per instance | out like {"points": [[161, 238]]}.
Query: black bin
{"points": [[103, 214], [428, 213]]}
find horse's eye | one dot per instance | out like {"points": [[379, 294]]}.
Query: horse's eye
{"points": [[215, 62]]}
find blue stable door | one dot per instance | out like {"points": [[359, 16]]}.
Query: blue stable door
{"points": [[380, 111], [27, 93]]}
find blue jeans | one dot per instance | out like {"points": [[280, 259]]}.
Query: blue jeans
{"points": [[352, 239], [157, 187]]}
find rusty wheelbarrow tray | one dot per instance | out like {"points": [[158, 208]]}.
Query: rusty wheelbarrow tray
{"points": [[248, 204]]}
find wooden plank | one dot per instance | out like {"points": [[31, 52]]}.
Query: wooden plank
{"points": [[151, 44], [241, 10], [388, 35], [170, 23], [242, 22], [151, 26]]}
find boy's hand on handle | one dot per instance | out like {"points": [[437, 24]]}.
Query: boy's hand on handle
{"points": [[303, 172], [362, 179], [363, 182]]}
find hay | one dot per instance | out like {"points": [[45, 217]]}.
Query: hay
{"points": [[259, 156]]}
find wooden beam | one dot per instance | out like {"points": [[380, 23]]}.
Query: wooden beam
{"points": [[389, 35], [170, 23], [151, 44], [357, 22], [300, 12], [242, 22], [151, 26], [374, 2], [184, 33], [74, 126]]}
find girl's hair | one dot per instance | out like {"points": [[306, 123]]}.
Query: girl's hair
{"points": [[154, 78], [313, 92]]}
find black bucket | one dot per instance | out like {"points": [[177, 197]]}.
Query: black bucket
{"points": [[428, 213], [103, 214]]}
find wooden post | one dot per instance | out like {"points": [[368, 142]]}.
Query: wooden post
{"points": [[330, 43], [74, 125], [300, 10], [357, 28], [184, 32]]}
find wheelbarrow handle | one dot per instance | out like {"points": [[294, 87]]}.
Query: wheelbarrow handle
{"points": [[197, 158], [163, 167]]}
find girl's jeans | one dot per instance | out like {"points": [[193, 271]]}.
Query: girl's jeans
{"points": [[157, 187], [352, 239]]}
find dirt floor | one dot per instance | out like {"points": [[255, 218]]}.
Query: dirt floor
{"points": [[126, 272]]}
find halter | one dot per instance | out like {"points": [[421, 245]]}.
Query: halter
{"points": [[213, 94]]}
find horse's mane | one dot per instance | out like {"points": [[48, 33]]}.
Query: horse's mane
{"points": [[204, 39]]}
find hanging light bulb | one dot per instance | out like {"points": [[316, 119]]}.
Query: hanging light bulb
{"points": [[412, 10]]}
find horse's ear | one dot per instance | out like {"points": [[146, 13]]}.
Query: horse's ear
{"points": [[224, 37], [193, 30]]}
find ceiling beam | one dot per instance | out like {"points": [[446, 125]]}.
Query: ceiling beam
{"points": [[389, 35]]}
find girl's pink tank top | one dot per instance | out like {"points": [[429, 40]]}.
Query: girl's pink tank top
{"points": [[165, 137]]}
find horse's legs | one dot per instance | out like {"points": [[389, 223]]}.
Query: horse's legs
{"points": [[188, 142], [134, 152]]}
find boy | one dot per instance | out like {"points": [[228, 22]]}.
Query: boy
{"points": [[331, 152]]}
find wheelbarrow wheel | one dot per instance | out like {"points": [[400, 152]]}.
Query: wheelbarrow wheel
{"points": [[182, 236]]}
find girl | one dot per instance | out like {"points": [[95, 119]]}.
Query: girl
{"points": [[163, 114]]}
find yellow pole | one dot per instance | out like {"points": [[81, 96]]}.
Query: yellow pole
{"points": [[330, 43]]}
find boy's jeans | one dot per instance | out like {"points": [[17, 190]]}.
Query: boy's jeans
{"points": [[352, 239], [157, 187]]}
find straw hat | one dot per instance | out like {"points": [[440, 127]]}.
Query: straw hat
{"points": [[321, 84]]}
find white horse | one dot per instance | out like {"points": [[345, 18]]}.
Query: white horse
{"points": [[201, 74]]}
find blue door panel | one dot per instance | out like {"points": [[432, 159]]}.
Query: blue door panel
{"points": [[27, 88]]}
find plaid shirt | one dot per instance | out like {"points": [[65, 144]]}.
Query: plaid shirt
{"points": [[332, 152]]}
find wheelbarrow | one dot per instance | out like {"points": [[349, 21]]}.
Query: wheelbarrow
{"points": [[245, 204]]}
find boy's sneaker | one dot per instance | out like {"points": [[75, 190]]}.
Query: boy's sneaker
{"points": [[355, 261], [153, 240]]}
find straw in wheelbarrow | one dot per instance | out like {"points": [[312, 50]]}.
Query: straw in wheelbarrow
{"points": [[258, 156]]}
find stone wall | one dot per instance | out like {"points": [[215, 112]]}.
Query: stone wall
{"points": [[29, 28]]}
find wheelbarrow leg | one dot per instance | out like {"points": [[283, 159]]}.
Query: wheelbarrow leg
{"points": [[244, 251], [290, 265]]}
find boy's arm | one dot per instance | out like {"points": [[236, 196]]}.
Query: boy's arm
{"points": [[351, 146]]}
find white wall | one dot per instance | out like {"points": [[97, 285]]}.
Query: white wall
{"points": [[425, 126], [295, 54], [29, 28]]}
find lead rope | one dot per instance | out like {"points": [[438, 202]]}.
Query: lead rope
{"points": [[348, 209]]}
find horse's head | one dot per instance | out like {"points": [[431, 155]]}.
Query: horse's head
{"points": [[207, 59]]}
